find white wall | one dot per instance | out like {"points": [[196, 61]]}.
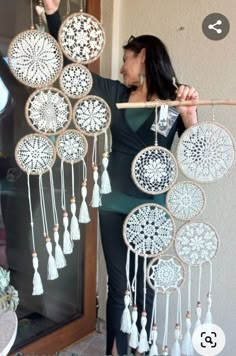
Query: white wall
{"points": [[210, 67]]}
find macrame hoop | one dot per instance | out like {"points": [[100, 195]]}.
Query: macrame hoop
{"points": [[171, 262], [92, 115], [71, 146], [35, 154], [193, 245], [149, 168], [75, 80], [82, 38], [185, 200], [142, 226], [206, 152], [48, 111], [35, 58]]}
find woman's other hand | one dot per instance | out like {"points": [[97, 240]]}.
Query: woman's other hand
{"points": [[188, 113], [51, 6]]}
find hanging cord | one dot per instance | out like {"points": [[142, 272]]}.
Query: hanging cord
{"points": [[59, 256], [165, 338], [84, 216], [63, 193], [198, 307], [189, 288], [37, 281], [156, 125], [176, 351], [31, 15], [134, 334], [153, 329], [126, 317], [143, 342], [134, 282], [96, 199], [105, 179], [74, 224], [52, 272], [208, 317], [81, 6], [67, 7], [213, 112]]}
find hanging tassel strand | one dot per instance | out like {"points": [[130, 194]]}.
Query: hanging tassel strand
{"points": [[208, 317], [126, 317], [52, 268], [176, 350], [105, 180], [67, 242], [143, 341], [96, 199], [74, 224], [134, 334], [84, 216]]}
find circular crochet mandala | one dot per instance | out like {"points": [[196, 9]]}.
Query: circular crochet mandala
{"points": [[91, 115], [206, 152], [185, 200], [149, 230], [76, 81], [165, 274], [48, 111], [82, 38], [71, 146], [35, 58], [35, 154], [154, 170], [196, 243]]}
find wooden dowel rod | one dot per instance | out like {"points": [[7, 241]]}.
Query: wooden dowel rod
{"points": [[152, 104]]}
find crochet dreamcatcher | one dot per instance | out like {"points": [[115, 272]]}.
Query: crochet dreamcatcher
{"points": [[165, 274], [148, 231], [196, 243], [71, 147]]}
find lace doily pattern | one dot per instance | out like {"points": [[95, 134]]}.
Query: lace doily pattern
{"points": [[48, 111], [82, 38], [185, 200], [206, 152], [165, 274], [154, 170], [196, 243], [149, 230], [76, 80], [35, 154], [91, 115], [71, 146], [35, 58]]}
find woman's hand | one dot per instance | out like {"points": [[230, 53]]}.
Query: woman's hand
{"points": [[188, 113], [51, 6]]}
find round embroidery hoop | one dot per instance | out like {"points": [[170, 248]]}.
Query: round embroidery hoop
{"points": [[35, 154], [196, 243], [71, 146], [165, 274], [48, 111], [91, 115], [149, 230], [35, 58], [81, 37], [185, 200], [149, 169], [206, 152], [75, 80]]}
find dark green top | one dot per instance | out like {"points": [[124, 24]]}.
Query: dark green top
{"points": [[131, 132]]}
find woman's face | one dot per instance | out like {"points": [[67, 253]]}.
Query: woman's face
{"points": [[133, 66]]}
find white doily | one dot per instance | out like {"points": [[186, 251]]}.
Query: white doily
{"points": [[154, 170], [35, 154], [185, 200], [148, 230], [206, 152], [48, 111], [165, 274], [196, 243], [76, 81], [91, 115], [35, 58], [82, 38], [71, 146]]}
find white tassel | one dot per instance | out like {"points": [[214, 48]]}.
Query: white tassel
{"points": [[143, 341], [52, 272], [208, 317], [84, 212], [165, 351], [198, 313], [96, 199], [74, 224], [134, 334], [175, 351], [187, 346], [67, 243], [126, 318], [154, 349], [105, 180], [37, 282], [59, 256]]}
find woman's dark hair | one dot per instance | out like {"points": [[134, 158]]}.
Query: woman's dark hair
{"points": [[159, 71]]}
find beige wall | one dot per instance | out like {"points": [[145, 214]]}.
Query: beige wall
{"points": [[210, 67]]}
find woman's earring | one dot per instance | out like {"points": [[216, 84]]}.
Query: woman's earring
{"points": [[141, 78]]}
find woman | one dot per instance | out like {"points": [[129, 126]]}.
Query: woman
{"points": [[148, 75]]}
